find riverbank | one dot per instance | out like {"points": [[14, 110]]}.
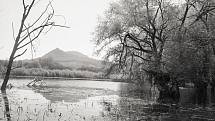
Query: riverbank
{"points": [[66, 78]]}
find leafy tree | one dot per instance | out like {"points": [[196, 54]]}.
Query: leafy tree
{"points": [[134, 33], [169, 43]]}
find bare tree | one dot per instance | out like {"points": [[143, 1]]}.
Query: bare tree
{"points": [[28, 33]]}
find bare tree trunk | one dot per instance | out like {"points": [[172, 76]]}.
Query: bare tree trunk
{"points": [[6, 78], [9, 67], [6, 104]]}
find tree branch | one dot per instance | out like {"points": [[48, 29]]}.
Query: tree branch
{"points": [[141, 57], [29, 33], [41, 29], [184, 16], [13, 32], [20, 54], [37, 18], [16, 67], [29, 9], [139, 45]]}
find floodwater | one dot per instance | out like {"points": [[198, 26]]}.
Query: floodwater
{"points": [[79, 100]]}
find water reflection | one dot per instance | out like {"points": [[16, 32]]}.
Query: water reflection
{"points": [[145, 92], [6, 105], [92, 102], [74, 94], [197, 96], [140, 104], [27, 104]]}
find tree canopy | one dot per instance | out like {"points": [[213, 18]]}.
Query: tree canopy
{"points": [[158, 35]]}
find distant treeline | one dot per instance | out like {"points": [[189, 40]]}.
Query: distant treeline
{"points": [[55, 73], [48, 68]]}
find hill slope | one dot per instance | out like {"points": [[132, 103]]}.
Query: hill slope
{"points": [[72, 59]]}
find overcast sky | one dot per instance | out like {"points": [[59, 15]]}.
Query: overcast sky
{"points": [[80, 15]]}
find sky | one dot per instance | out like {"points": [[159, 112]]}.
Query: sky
{"points": [[80, 15]]}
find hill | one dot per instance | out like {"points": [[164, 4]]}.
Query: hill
{"points": [[72, 59], [57, 63]]}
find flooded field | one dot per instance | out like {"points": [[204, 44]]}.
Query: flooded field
{"points": [[79, 100]]}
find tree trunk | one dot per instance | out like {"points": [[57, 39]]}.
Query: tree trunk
{"points": [[6, 104], [9, 67]]}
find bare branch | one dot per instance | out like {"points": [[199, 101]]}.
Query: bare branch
{"points": [[138, 49], [40, 31], [13, 32], [37, 18], [144, 59], [29, 8], [16, 67], [23, 3], [139, 45], [156, 14], [20, 54], [150, 33], [41, 28], [30, 41], [61, 26], [184, 16], [35, 29]]}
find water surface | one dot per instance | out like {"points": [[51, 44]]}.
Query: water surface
{"points": [[83, 100]]}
